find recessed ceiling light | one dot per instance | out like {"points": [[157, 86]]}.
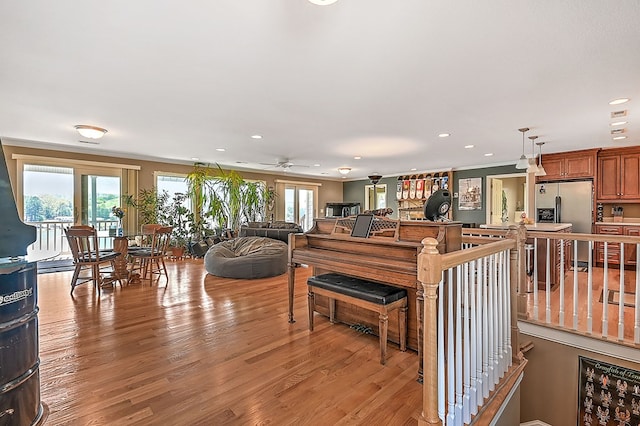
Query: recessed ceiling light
{"points": [[618, 123], [488, 154], [220, 149], [357, 157], [316, 165], [619, 101], [195, 158], [413, 169], [617, 138], [256, 136], [444, 135], [469, 146]]}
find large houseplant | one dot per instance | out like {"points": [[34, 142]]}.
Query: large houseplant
{"points": [[150, 205], [225, 197]]}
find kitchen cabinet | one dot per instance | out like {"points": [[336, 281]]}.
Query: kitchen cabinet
{"points": [[569, 165], [630, 250], [614, 254], [618, 175], [613, 250]]}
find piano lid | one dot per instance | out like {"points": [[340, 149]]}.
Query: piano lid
{"points": [[15, 236]]}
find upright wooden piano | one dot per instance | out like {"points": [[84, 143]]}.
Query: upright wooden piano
{"points": [[389, 255]]}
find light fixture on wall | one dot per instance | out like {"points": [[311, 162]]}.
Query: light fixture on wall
{"points": [[541, 171], [90, 132], [522, 162], [344, 170], [532, 166], [323, 2]]}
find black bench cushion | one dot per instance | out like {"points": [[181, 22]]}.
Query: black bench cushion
{"points": [[380, 294]]}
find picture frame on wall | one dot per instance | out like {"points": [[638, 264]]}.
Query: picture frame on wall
{"points": [[470, 197]]}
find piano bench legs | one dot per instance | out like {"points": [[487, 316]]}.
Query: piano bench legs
{"points": [[382, 309]]}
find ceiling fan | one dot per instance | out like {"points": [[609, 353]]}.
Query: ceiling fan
{"points": [[283, 164]]}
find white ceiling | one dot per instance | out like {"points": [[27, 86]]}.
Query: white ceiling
{"points": [[373, 78]]}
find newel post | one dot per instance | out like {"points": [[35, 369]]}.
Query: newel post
{"points": [[518, 278], [429, 275]]}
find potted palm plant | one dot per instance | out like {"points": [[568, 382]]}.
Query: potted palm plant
{"points": [[225, 197]]}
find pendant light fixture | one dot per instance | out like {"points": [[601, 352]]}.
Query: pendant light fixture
{"points": [[541, 171], [522, 162], [532, 166]]}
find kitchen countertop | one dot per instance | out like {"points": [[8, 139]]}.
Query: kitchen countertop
{"points": [[630, 222], [543, 227]]}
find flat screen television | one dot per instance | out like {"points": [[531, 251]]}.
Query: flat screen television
{"points": [[362, 225]]}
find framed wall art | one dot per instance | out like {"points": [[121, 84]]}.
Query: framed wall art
{"points": [[470, 197]]}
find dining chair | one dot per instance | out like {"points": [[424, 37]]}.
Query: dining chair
{"points": [[83, 242], [150, 259]]}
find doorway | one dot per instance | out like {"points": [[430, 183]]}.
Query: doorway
{"points": [[97, 195], [508, 198], [300, 205], [377, 201]]}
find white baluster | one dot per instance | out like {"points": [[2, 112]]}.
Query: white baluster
{"points": [[500, 313], [535, 279], [575, 285], [458, 348], [490, 323], [590, 292], [485, 329], [451, 377], [474, 341], [561, 308], [621, 296], [636, 329], [605, 293], [466, 345], [547, 281]]}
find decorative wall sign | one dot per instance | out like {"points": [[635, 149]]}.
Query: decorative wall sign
{"points": [[470, 194], [607, 394]]}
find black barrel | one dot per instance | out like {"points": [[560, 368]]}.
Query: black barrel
{"points": [[19, 360]]}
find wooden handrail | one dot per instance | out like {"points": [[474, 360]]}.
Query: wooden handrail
{"points": [[453, 259]]}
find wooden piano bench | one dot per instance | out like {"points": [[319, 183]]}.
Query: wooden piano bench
{"points": [[380, 298]]}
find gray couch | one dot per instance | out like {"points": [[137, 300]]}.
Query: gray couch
{"points": [[277, 230]]}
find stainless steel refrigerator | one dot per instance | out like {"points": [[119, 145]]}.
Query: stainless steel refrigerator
{"points": [[572, 202]]}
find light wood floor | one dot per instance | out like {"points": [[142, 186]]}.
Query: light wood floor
{"points": [[598, 304], [211, 351]]}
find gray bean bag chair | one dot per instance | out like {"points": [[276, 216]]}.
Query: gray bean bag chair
{"points": [[247, 257]]}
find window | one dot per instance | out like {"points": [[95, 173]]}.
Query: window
{"points": [[173, 184], [299, 203]]}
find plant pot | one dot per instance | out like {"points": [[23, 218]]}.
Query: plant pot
{"points": [[176, 252]]}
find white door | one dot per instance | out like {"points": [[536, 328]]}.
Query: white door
{"points": [[496, 201]]}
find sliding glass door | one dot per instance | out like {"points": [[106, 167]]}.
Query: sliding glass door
{"points": [[97, 195], [300, 205]]}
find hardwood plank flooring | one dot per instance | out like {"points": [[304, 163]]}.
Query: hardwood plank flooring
{"points": [[211, 351], [598, 302]]}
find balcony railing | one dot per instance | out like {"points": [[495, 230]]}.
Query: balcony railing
{"points": [[474, 298], [50, 235], [597, 297]]}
